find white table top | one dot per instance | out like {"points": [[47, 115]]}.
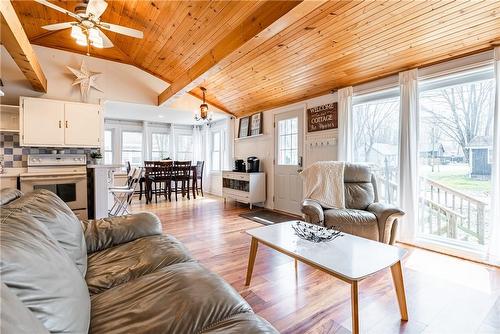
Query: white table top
{"points": [[350, 257]]}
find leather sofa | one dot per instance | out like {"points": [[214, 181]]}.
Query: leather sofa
{"points": [[363, 215], [116, 275]]}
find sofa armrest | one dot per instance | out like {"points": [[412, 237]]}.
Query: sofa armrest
{"points": [[387, 215], [107, 232], [313, 212]]}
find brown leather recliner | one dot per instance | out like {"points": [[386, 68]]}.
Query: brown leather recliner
{"points": [[113, 276], [364, 215]]}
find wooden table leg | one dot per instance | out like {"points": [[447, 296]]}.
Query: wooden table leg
{"points": [[354, 307], [251, 259], [397, 278]]}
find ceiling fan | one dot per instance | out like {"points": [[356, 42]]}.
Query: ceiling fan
{"points": [[86, 30]]}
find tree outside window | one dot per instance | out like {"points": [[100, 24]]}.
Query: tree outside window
{"points": [[160, 146]]}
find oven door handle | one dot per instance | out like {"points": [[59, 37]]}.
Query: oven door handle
{"points": [[54, 178]]}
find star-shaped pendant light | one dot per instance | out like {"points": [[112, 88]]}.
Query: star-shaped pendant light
{"points": [[86, 79]]}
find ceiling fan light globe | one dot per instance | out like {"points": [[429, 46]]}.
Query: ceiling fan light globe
{"points": [[81, 41], [94, 34], [76, 32], [97, 43]]}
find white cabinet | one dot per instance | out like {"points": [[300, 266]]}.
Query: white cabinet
{"points": [[82, 124], [56, 123], [42, 122], [244, 187]]}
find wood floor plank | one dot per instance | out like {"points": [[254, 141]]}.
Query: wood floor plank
{"points": [[443, 294]]}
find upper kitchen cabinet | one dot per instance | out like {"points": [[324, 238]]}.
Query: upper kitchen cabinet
{"points": [[42, 122], [56, 123], [82, 124]]}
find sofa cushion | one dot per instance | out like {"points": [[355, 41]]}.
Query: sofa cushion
{"points": [[8, 195], [15, 317], [39, 272], [180, 298], [62, 223], [120, 264], [357, 222], [242, 323]]}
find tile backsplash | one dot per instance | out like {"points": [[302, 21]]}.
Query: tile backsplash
{"points": [[15, 156]]}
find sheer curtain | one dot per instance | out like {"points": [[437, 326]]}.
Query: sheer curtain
{"points": [[197, 144], [494, 247], [408, 154], [345, 124]]}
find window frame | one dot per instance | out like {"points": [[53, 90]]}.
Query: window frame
{"points": [[213, 150], [112, 145], [176, 147], [123, 132], [162, 133]]}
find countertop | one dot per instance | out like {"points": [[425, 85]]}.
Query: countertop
{"points": [[105, 166], [12, 172]]}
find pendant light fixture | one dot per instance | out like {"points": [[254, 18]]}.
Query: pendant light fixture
{"points": [[203, 114]]}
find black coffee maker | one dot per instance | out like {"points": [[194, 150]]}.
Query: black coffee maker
{"points": [[239, 166], [253, 165]]}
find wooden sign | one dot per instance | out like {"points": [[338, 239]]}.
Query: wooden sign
{"points": [[323, 117]]}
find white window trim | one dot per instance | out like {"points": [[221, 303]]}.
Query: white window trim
{"points": [[121, 142], [220, 150]]}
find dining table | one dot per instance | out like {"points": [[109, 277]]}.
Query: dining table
{"points": [[145, 184]]}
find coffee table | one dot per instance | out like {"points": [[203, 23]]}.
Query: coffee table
{"points": [[348, 258]]}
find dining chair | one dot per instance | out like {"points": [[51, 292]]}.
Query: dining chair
{"points": [[200, 166], [181, 172]]}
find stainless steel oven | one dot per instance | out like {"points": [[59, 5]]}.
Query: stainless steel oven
{"points": [[63, 174]]}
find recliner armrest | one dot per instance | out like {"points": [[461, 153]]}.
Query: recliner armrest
{"points": [[386, 215], [313, 212], [107, 232]]}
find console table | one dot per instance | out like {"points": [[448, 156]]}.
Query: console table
{"points": [[244, 187]]}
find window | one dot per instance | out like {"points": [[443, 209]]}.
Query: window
{"points": [[184, 147], [288, 141], [108, 146], [455, 139], [216, 151], [376, 139], [132, 147], [160, 146]]}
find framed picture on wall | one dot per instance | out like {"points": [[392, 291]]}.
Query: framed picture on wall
{"points": [[244, 127], [256, 124]]}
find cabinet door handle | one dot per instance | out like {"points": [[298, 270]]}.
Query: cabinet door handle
{"points": [[66, 124], [60, 122]]}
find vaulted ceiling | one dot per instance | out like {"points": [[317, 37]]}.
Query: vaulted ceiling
{"points": [[334, 44]]}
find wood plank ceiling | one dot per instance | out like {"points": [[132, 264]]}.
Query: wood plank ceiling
{"points": [[337, 44]]}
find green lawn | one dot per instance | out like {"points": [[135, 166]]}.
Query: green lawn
{"points": [[457, 177]]}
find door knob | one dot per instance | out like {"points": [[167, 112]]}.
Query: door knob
{"points": [[299, 170]]}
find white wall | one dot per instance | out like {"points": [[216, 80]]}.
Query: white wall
{"points": [[317, 146], [120, 83]]}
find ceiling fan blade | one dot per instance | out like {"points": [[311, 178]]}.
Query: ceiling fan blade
{"points": [[59, 26], [62, 10], [106, 42], [96, 8], [122, 30]]}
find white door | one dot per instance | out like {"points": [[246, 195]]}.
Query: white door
{"points": [[42, 122], [288, 134], [82, 124]]}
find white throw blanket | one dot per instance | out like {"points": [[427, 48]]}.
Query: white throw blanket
{"points": [[324, 182]]}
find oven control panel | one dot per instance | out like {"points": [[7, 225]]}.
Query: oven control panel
{"points": [[57, 160]]}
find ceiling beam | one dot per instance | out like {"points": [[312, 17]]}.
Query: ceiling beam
{"points": [[269, 19], [17, 44]]}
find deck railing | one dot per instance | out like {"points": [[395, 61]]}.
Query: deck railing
{"points": [[445, 211]]}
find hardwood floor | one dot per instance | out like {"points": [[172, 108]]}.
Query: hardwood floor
{"points": [[444, 294]]}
